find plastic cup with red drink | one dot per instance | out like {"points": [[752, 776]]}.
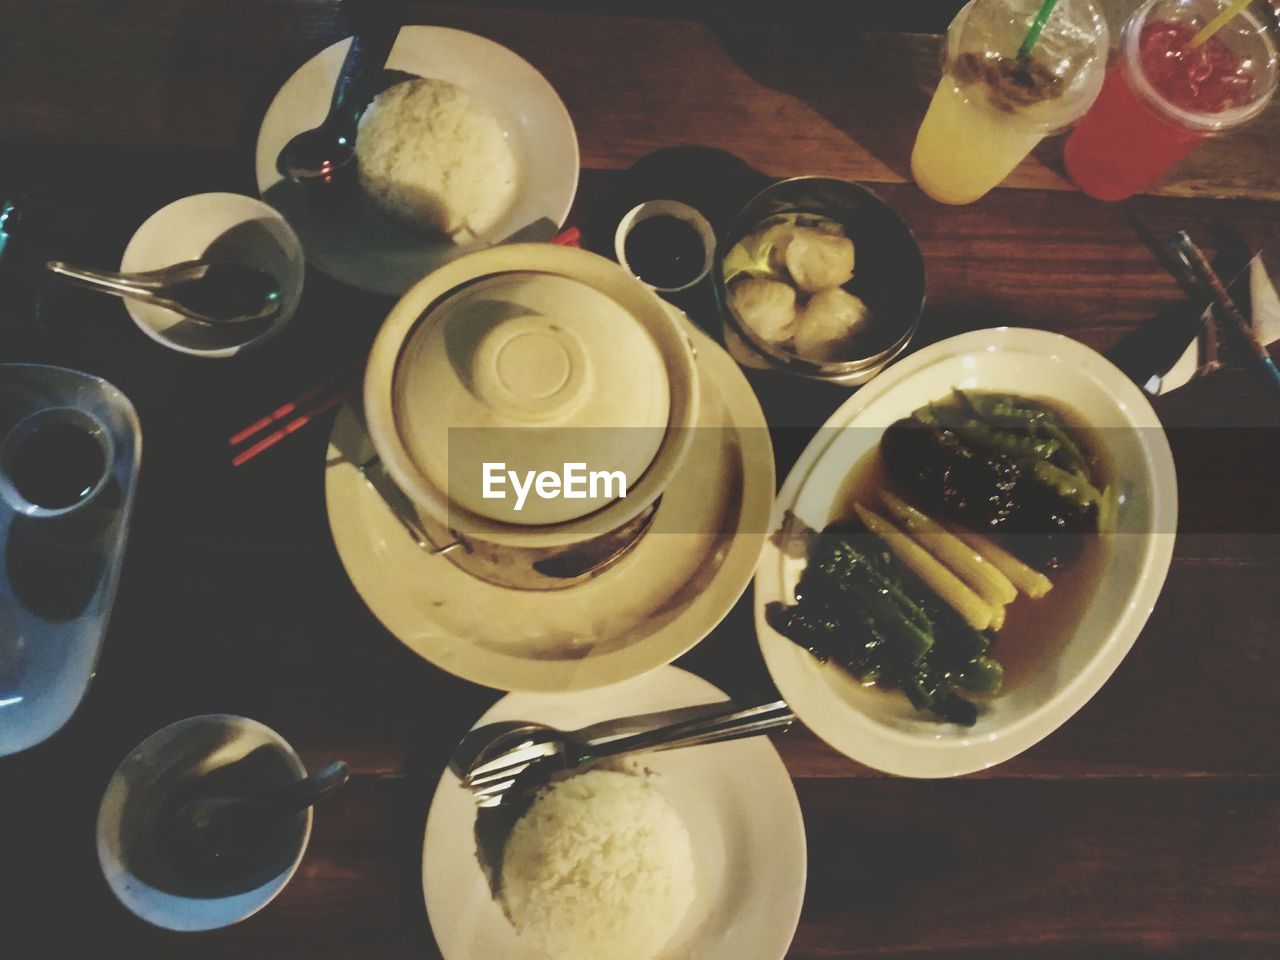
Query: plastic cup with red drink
{"points": [[1164, 94]]}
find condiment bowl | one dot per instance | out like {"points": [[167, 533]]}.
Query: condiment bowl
{"points": [[889, 277], [881, 729], [11, 446], [665, 208]]}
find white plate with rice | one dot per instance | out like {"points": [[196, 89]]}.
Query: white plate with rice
{"points": [[726, 815], [418, 157]]}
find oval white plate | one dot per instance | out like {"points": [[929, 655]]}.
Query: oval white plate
{"points": [[885, 732], [735, 798], [370, 251]]}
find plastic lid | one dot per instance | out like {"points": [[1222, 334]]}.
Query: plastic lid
{"points": [[1243, 35], [530, 371], [1056, 83]]}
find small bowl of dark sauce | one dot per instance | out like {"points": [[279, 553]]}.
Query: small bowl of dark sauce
{"points": [[54, 461], [665, 244]]}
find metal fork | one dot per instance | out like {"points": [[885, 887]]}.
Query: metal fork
{"points": [[533, 764]]}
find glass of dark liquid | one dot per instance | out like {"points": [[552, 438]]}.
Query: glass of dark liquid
{"points": [[54, 462]]}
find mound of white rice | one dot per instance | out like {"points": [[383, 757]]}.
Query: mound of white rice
{"points": [[599, 868], [435, 158]]}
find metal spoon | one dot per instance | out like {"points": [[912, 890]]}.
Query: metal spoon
{"points": [[488, 742], [206, 829], [325, 155], [545, 751], [209, 293]]}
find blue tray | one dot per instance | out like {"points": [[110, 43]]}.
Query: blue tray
{"points": [[58, 576]]}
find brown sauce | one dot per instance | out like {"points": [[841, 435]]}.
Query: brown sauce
{"points": [[665, 251], [1034, 629]]}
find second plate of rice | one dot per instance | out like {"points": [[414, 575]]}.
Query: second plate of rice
{"points": [[478, 150], [686, 853]]}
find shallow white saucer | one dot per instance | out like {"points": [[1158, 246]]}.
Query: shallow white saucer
{"points": [[735, 798], [227, 227], [365, 248], [652, 606]]}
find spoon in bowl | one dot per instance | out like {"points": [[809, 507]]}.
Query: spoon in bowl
{"points": [[212, 294], [204, 831], [324, 156]]}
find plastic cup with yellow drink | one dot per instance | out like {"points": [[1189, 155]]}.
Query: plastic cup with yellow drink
{"points": [[999, 95]]}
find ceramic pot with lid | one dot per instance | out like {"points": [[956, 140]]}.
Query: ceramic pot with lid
{"points": [[532, 402]]}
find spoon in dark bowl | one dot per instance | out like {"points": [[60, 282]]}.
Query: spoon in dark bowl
{"points": [[324, 156], [209, 830], [208, 293]]}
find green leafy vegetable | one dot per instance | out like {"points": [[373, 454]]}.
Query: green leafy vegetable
{"points": [[760, 253], [1019, 413], [857, 608], [1072, 487]]}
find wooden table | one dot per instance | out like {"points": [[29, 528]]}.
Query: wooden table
{"points": [[1149, 825]]}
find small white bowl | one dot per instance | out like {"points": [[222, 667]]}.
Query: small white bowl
{"points": [[220, 226], [665, 208], [149, 784], [884, 731]]}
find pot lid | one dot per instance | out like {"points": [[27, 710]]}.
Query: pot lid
{"points": [[518, 375]]}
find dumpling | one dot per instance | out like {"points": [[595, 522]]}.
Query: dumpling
{"points": [[767, 307], [828, 323], [818, 260], [759, 254]]}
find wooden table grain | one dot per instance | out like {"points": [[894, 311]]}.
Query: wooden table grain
{"points": [[1147, 826]]}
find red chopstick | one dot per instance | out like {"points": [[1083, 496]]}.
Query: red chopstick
{"points": [[282, 411], [571, 237], [307, 406], [344, 393], [326, 394]]}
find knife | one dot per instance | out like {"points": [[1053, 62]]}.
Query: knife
{"points": [[1147, 354], [1254, 351], [357, 450]]}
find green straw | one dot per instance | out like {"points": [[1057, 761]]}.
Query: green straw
{"points": [[1037, 25]]}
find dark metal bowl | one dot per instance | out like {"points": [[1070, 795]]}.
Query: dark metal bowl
{"points": [[888, 276]]}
